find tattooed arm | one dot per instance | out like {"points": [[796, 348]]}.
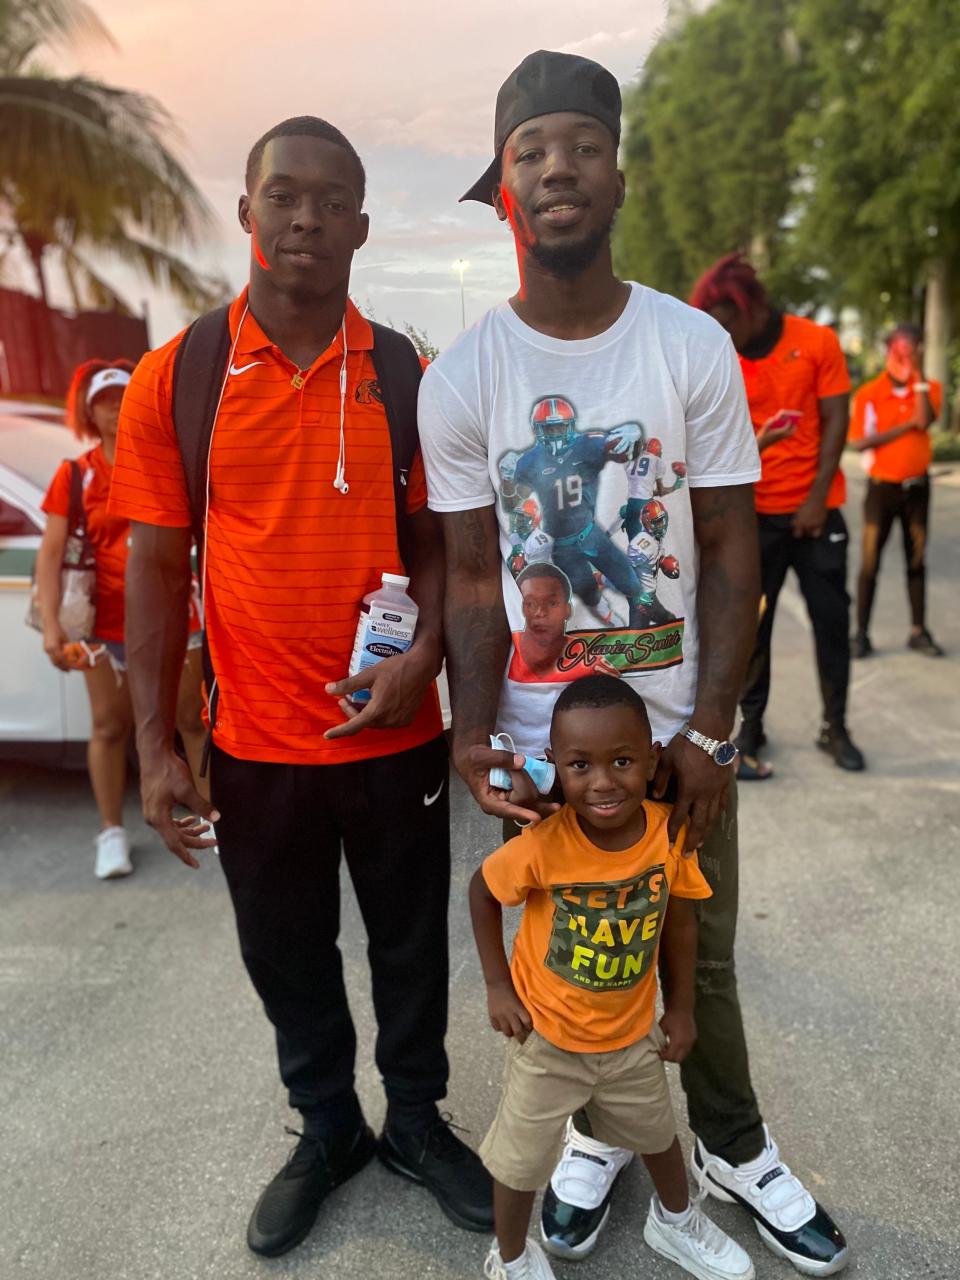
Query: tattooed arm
{"points": [[728, 596], [477, 641]]}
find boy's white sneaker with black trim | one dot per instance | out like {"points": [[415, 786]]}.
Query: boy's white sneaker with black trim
{"points": [[576, 1204], [697, 1244], [532, 1264], [787, 1218]]}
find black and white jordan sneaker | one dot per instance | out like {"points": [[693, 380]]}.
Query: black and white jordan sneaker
{"points": [[576, 1204], [787, 1218]]}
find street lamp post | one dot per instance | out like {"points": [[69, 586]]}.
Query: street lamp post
{"points": [[460, 266]]}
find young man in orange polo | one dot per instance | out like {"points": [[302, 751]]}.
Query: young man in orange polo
{"points": [[301, 517], [892, 416], [797, 389]]}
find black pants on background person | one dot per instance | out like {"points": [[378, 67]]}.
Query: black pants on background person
{"points": [[821, 568], [884, 503], [280, 838]]}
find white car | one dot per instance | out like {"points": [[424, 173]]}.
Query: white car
{"points": [[44, 713]]}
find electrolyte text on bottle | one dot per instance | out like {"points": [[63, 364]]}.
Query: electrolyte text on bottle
{"points": [[388, 620]]}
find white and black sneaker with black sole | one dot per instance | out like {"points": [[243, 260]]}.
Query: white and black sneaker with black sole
{"points": [[576, 1204], [787, 1218]]}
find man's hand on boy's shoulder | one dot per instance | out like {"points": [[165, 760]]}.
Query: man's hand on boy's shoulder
{"points": [[508, 1014], [680, 1029]]}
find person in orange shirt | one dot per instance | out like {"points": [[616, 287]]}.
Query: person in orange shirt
{"points": [[93, 409], [892, 416], [603, 891], [797, 390], [301, 520]]}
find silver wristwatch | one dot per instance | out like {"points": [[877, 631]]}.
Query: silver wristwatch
{"points": [[722, 753]]}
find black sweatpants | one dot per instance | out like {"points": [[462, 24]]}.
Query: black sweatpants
{"points": [[885, 502], [280, 836], [821, 568]]}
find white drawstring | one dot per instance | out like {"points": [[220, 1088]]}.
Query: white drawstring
{"points": [[340, 482]]}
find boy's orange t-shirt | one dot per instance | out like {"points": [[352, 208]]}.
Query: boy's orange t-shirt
{"points": [[805, 366], [585, 957], [879, 405]]}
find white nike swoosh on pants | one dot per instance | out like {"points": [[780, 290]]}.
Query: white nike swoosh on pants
{"points": [[428, 800]]}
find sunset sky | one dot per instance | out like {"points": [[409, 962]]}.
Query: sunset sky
{"points": [[412, 85]]}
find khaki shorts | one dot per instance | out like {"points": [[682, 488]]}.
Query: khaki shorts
{"points": [[624, 1093]]}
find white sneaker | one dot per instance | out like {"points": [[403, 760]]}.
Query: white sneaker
{"points": [[787, 1218], [698, 1245], [533, 1264], [113, 854], [576, 1204]]}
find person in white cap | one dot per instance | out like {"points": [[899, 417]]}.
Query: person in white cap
{"points": [[93, 408]]}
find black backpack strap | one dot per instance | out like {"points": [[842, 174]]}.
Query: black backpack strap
{"points": [[399, 372], [198, 370]]}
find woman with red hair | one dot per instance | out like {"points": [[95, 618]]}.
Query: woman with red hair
{"points": [[93, 409]]}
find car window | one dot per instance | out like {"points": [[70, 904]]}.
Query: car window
{"points": [[15, 523]]}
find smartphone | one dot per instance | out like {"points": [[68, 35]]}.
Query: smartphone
{"points": [[785, 418]]}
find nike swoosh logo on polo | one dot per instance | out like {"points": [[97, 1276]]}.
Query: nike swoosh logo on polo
{"points": [[242, 368], [428, 800]]}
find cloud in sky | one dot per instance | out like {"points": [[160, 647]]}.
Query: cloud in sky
{"points": [[413, 86]]}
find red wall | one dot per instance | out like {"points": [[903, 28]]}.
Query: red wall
{"points": [[42, 347]]}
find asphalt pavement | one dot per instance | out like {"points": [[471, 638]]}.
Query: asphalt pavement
{"points": [[140, 1110]]}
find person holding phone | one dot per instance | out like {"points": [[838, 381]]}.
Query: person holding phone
{"points": [[797, 388]]}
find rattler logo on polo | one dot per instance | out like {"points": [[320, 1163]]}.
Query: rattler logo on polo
{"points": [[604, 936]]}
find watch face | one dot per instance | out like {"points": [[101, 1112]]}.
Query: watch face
{"points": [[725, 753]]}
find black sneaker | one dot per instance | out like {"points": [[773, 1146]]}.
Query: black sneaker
{"points": [[860, 646], [836, 742], [576, 1203], [437, 1159], [925, 643], [288, 1205]]}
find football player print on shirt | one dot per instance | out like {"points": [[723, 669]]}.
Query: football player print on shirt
{"points": [[562, 473], [543, 652]]}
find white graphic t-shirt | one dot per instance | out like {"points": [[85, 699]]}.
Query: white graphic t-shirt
{"points": [[548, 430]]}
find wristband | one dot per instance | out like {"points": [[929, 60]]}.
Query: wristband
{"points": [[920, 386]]}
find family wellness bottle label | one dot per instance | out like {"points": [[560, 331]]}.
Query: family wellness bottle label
{"points": [[388, 620]]}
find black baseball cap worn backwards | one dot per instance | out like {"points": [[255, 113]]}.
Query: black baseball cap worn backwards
{"points": [[543, 84]]}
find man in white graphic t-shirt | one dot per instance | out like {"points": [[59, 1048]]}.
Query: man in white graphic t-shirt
{"points": [[620, 353]]}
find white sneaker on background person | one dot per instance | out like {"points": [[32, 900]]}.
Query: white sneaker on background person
{"points": [[532, 1264], [787, 1218], [113, 854], [696, 1243]]}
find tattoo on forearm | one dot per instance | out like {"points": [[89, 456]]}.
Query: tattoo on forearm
{"points": [[476, 632]]}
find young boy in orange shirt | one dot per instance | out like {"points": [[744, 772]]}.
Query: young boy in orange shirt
{"points": [[577, 1003]]}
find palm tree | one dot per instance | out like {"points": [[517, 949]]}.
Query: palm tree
{"points": [[85, 167]]}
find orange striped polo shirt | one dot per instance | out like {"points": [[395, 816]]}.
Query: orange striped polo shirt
{"points": [[289, 558]]}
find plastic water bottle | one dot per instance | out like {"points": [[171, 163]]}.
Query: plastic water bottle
{"points": [[388, 620]]}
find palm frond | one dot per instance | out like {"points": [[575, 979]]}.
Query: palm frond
{"points": [[78, 152], [25, 25], [195, 290]]}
